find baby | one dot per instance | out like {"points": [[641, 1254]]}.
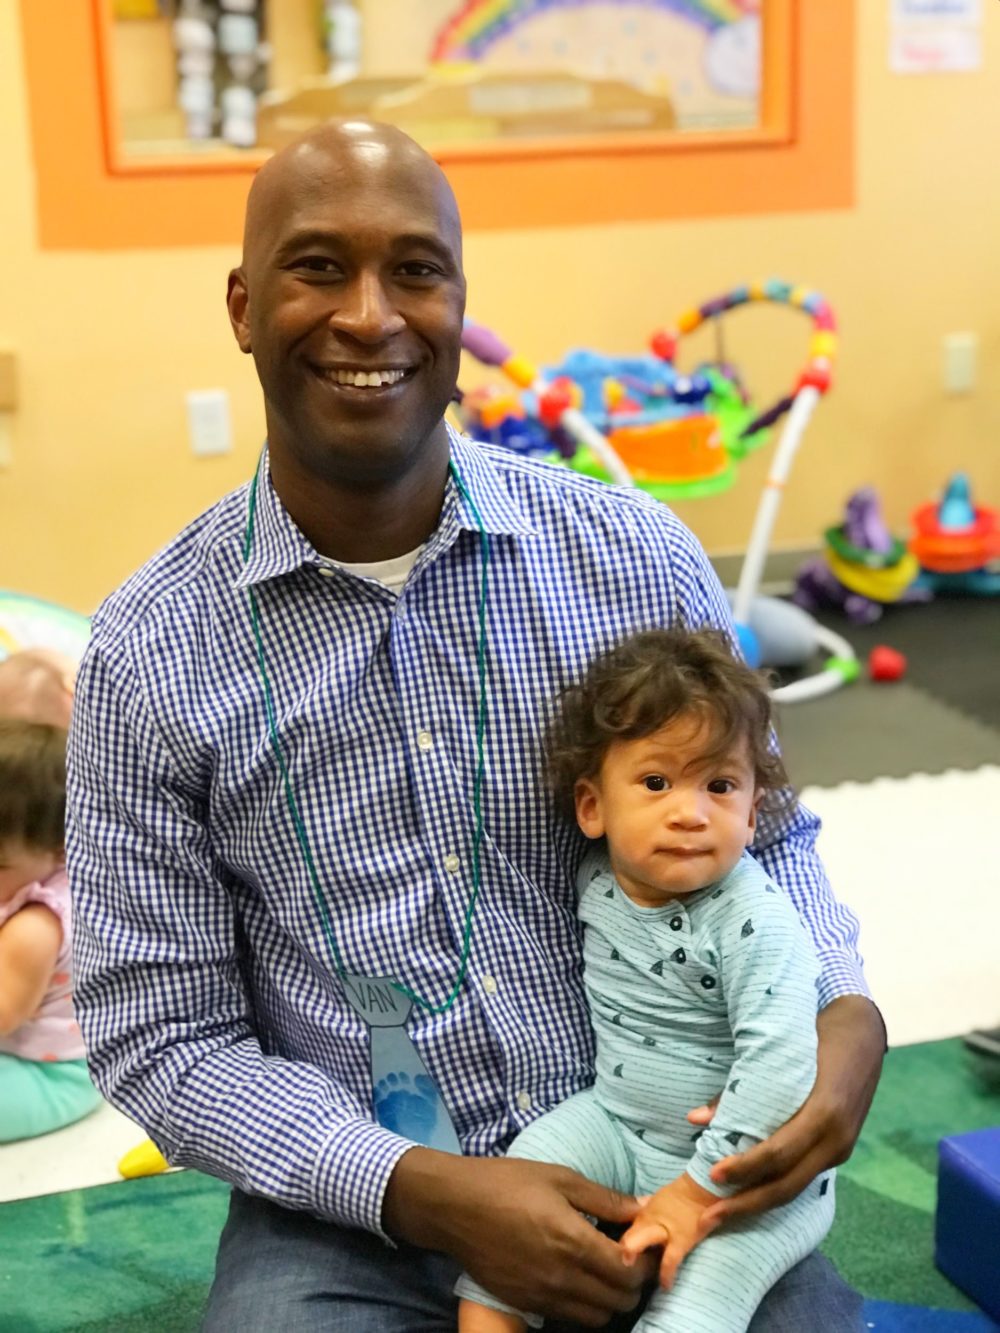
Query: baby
{"points": [[43, 1074], [700, 977], [37, 684]]}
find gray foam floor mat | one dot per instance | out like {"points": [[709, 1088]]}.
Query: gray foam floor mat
{"points": [[866, 731], [952, 646]]}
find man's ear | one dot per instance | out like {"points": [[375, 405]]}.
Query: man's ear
{"points": [[238, 304], [758, 797], [589, 811]]}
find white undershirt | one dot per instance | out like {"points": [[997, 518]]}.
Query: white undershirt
{"points": [[393, 573]]}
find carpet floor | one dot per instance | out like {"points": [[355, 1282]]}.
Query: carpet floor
{"points": [[137, 1257]]}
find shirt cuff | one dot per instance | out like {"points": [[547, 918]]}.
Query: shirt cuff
{"points": [[840, 974], [352, 1173]]}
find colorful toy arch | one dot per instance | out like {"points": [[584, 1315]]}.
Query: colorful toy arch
{"points": [[30, 622], [469, 33]]}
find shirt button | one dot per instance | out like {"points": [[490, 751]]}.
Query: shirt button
{"points": [[676, 922], [708, 982], [451, 864], [524, 1101], [328, 570], [490, 985], [424, 740]]}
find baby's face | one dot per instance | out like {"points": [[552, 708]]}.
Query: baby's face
{"points": [[21, 865], [673, 823]]}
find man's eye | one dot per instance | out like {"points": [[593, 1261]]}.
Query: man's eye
{"points": [[721, 786], [316, 264], [418, 268], [654, 782]]}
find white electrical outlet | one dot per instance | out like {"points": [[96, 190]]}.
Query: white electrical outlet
{"points": [[961, 352], [208, 422]]}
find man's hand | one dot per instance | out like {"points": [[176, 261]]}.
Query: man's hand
{"points": [[674, 1218], [518, 1228], [824, 1131]]}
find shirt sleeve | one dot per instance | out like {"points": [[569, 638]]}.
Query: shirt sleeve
{"points": [[786, 849], [769, 972], [785, 845], [159, 998]]}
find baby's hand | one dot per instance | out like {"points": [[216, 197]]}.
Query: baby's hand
{"points": [[674, 1218]]}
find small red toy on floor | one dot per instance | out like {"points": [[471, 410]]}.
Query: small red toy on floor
{"points": [[886, 664]]}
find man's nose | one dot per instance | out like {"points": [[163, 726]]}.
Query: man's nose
{"points": [[365, 310]]}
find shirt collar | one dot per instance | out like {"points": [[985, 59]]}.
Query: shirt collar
{"points": [[488, 489], [279, 547]]}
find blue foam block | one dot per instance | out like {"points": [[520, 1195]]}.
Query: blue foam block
{"points": [[888, 1317], [967, 1228]]}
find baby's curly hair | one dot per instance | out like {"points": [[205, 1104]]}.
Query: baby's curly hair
{"points": [[637, 687]]}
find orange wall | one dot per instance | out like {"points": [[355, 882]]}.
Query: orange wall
{"points": [[108, 342], [96, 193]]}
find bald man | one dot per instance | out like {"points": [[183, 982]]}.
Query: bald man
{"points": [[326, 926]]}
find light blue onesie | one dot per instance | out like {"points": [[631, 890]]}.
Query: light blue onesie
{"points": [[713, 993]]}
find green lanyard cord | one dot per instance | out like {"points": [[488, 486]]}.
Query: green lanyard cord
{"points": [[477, 795]]}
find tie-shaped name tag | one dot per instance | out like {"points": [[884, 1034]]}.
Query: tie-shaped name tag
{"points": [[405, 1099]]}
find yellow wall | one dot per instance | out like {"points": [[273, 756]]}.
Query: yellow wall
{"points": [[108, 343]]}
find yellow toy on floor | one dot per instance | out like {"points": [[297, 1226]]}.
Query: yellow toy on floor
{"points": [[145, 1160]]}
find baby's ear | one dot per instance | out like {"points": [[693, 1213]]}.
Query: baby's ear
{"points": [[758, 798], [589, 811]]}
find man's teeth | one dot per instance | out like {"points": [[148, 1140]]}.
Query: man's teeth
{"points": [[368, 379]]}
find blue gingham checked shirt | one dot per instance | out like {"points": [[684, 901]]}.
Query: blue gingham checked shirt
{"points": [[210, 1005]]}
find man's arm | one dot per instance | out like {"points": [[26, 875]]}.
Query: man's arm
{"points": [[786, 847], [851, 1033], [850, 1028], [823, 1133], [852, 1039], [768, 971], [168, 1029]]}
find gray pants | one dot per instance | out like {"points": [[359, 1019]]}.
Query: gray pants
{"points": [[288, 1271]]}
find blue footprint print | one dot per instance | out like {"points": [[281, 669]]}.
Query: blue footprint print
{"points": [[408, 1107]]}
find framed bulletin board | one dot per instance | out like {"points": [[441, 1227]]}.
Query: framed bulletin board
{"points": [[793, 150]]}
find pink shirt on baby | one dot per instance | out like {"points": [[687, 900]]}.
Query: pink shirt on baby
{"points": [[52, 1032]]}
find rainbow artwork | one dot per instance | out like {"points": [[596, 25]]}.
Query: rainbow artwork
{"points": [[474, 28]]}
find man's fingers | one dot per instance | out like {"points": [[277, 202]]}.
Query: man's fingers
{"points": [[761, 1164], [770, 1195], [747, 1203], [590, 1301], [599, 1260], [587, 1196]]}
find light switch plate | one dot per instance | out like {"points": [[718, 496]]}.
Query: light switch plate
{"points": [[209, 426]]}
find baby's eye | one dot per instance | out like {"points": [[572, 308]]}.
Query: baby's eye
{"points": [[721, 786], [655, 782]]}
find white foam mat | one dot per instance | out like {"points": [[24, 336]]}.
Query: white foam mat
{"points": [[81, 1155], [918, 860]]}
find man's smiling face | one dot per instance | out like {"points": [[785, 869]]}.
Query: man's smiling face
{"points": [[351, 297]]}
